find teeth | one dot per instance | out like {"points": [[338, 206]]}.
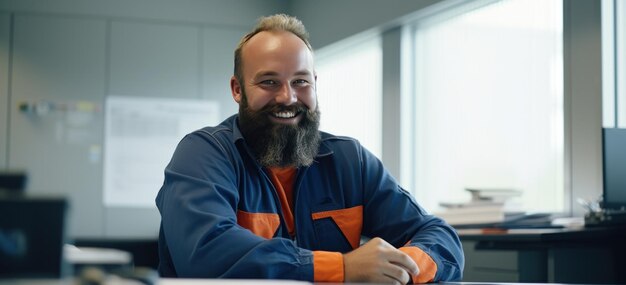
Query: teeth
{"points": [[285, 115]]}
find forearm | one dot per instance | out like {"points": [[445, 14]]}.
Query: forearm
{"points": [[437, 251], [237, 253]]}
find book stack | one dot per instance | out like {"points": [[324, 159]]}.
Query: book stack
{"points": [[486, 207]]}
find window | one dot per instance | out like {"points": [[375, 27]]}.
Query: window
{"points": [[349, 88], [489, 103], [613, 64]]}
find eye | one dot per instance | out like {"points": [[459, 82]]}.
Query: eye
{"points": [[269, 82], [300, 82]]}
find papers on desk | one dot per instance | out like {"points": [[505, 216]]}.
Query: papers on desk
{"points": [[176, 281], [96, 256], [486, 207], [493, 195], [473, 214]]}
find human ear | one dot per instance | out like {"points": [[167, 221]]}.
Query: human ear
{"points": [[235, 89]]}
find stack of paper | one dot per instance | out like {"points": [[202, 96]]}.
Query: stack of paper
{"points": [[473, 213], [487, 206], [493, 195]]}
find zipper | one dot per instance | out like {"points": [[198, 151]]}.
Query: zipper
{"points": [[296, 188], [277, 203]]}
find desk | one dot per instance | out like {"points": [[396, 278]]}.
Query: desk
{"points": [[588, 255], [591, 256], [232, 282]]}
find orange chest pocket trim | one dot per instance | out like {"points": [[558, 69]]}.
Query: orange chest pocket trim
{"points": [[349, 221], [261, 224]]}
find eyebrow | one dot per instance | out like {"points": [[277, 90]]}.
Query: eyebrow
{"points": [[274, 73]]}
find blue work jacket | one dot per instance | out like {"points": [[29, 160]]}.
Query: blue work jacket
{"points": [[221, 216]]}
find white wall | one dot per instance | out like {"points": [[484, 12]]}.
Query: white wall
{"points": [[241, 13], [328, 21], [5, 20], [64, 51]]}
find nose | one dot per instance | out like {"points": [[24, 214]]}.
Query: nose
{"points": [[286, 95]]}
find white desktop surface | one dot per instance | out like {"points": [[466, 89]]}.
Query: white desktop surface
{"points": [[161, 281], [176, 281]]}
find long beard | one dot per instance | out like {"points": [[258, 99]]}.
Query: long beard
{"points": [[278, 145]]}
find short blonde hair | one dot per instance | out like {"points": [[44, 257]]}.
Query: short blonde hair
{"points": [[278, 22]]}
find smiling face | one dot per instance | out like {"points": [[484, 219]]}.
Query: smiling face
{"points": [[277, 71], [278, 114]]}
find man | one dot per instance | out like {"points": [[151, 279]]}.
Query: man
{"points": [[267, 195]]}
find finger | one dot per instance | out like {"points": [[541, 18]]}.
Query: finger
{"points": [[411, 271], [379, 242], [396, 272], [404, 260]]}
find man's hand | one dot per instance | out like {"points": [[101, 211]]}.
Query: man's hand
{"points": [[378, 261]]}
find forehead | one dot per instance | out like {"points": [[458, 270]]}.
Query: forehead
{"points": [[276, 51]]}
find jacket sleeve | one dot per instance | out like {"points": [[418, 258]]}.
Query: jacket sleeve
{"points": [[393, 215], [198, 204]]}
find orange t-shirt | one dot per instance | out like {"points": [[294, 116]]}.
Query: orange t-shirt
{"points": [[283, 180]]}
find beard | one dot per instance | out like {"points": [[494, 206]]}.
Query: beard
{"points": [[280, 145]]}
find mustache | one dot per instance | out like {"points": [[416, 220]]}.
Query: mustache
{"points": [[296, 108]]}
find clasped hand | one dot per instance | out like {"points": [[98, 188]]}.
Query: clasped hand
{"points": [[380, 262]]}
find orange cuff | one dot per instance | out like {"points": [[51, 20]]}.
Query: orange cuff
{"points": [[428, 267], [327, 266]]}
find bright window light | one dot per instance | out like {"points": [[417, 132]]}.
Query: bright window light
{"points": [[349, 89], [620, 46], [489, 104]]}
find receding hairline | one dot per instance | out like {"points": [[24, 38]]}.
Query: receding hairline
{"points": [[274, 23], [278, 23]]}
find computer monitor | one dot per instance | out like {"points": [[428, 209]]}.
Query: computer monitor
{"points": [[614, 166], [14, 181], [32, 236]]}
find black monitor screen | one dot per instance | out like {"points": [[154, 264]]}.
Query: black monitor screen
{"points": [[614, 165], [13, 180], [32, 232]]}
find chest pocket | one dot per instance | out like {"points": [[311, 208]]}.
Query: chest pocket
{"points": [[339, 230], [261, 224]]}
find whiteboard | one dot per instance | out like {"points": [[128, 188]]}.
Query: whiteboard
{"points": [[141, 134]]}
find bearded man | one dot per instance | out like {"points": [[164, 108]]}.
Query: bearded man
{"points": [[265, 194]]}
